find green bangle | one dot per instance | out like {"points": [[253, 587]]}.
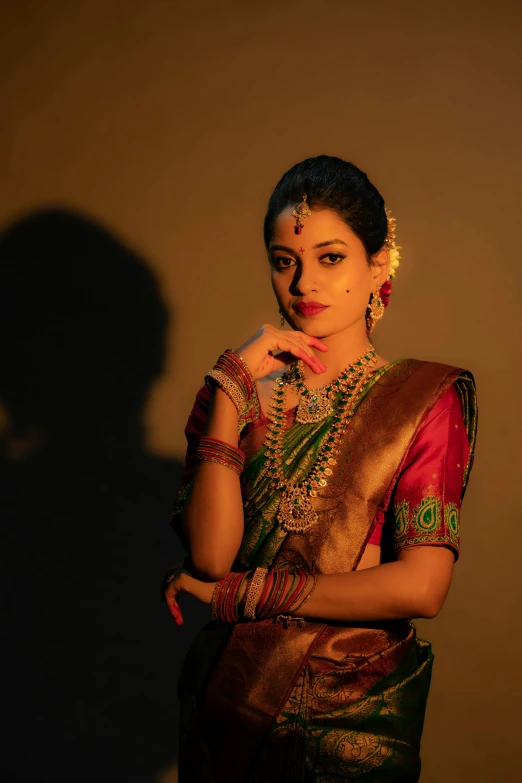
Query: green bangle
{"points": [[238, 595]]}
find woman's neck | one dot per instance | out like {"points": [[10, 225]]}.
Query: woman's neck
{"points": [[344, 348]]}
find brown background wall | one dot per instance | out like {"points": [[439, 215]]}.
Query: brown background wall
{"points": [[170, 124]]}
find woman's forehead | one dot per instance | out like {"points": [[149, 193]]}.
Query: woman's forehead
{"points": [[323, 225]]}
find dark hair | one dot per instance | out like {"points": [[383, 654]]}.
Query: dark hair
{"points": [[332, 183]]}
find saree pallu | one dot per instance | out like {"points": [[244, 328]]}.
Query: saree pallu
{"points": [[324, 702]]}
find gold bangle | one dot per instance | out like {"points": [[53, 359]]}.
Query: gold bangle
{"points": [[230, 388], [253, 592]]}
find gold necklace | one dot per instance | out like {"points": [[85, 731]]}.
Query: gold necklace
{"points": [[317, 404], [295, 511]]}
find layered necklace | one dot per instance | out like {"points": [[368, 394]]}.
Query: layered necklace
{"points": [[295, 512]]}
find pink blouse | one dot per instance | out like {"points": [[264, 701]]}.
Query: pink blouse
{"points": [[424, 505]]}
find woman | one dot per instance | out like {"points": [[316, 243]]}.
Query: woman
{"points": [[334, 523]]}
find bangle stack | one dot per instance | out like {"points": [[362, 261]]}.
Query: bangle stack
{"points": [[282, 592], [214, 450], [233, 376], [226, 597]]}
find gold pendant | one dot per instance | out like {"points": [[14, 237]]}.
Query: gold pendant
{"points": [[313, 407], [296, 513]]}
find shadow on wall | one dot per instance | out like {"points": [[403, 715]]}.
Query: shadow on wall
{"points": [[93, 656]]}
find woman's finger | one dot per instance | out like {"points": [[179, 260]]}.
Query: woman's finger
{"points": [[300, 350], [315, 341], [285, 358], [174, 609], [285, 341], [171, 576]]}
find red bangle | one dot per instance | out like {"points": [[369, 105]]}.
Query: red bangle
{"points": [[260, 604], [232, 597], [238, 602], [236, 366], [215, 450], [294, 593], [216, 605], [226, 597], [273, 595], [314, 583], [233, 376], [281, 593]]}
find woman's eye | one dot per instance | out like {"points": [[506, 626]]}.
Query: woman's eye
{"points": [[333, 258], [283, 263]]}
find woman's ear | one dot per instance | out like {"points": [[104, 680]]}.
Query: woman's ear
{"points": [[380, 266]]}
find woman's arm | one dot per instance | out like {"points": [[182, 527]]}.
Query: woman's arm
{"points": [[213, 515], [415, 585], [212, 518]]}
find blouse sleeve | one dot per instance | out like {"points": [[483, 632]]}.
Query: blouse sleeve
{"points": [[194, 429], [426, 499]]}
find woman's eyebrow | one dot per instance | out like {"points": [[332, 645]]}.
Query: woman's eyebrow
{"points": [[315, 247], [284, 248], [330, 242]]}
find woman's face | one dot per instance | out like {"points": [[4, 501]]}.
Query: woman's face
{"points": [[321, 277]]}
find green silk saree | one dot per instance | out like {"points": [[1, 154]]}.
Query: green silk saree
{"points": [[326, 702]]}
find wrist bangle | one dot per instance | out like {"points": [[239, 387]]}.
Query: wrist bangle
{"points": [[213, 450], [230, 388], [245, 370], [215, 598], [290, 596], [303, 578], [238, 595], [264, 595], [252, 593], [232, 374], [300, 606], [272, 598]]}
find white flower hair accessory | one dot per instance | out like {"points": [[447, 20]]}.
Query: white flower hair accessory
{"points": [[389, 242]]}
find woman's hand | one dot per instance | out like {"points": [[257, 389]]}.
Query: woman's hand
{"points": [[258, 352], [177, 581]]}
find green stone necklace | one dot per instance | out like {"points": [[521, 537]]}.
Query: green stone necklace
{"points": [[295, 512]]}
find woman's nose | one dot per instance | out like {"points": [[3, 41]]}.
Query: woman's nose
{"points": [[305, 281]]}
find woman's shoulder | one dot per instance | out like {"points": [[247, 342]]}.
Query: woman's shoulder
{"points": [[441, 384], [431, 363], [433, 371], [454, 391]]}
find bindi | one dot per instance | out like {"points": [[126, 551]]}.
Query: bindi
{"points": [[301, 249]]}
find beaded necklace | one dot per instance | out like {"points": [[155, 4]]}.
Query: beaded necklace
{"points": [[295, 512]]}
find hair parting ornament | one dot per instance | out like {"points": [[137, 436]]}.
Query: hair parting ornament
{"points": [[301, 211]]}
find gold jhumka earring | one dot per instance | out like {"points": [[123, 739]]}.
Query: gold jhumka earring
{"points": [[378, 303], [375, 310], [282, 319], [301, 211]]}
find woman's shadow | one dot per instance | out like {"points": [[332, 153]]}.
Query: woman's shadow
{"points": [[92, 655]]}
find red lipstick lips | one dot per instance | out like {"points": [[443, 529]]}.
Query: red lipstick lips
{"points": [[310, 308]]}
